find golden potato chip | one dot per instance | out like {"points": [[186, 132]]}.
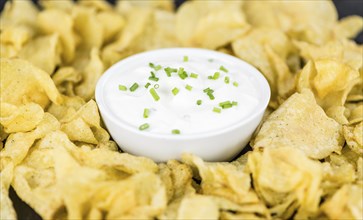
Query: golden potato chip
{"points": [[112, 24], [300, 123], [69, 107], [90, 75], [283, 176], [124, 6], [18, 144], [7, 210], [354, 137], [21, 81], [16, 36], [355, 112], [304, 20], [18, 13], [20, 119], [96, 4], [349, 27], [43, 52], [46, 20], [223, 179], [337, 171], [84, 125], [346, 203], [88, 27], [211, 24], [66, 78], [65, 5], [198, 207]]}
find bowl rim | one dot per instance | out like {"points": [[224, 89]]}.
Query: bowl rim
{"points": [[105, 112]]}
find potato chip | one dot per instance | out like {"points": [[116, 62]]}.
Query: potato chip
{"points": [[21, 81], [112, 24], [88, 27], [207, 208], [46, 20], [124, 6], [20, 119], [223, 179], [308, 21], [354, 137], [18, 144], [346, 203], [300, 123], [18, 13], [284, 175], [210, 25], [84, 125], [349, 27], [42, 52], [96, 4], [16, 36], [92, 71], [7, 210], [65, 5]]}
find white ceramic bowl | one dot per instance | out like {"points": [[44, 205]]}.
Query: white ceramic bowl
{"points": [[220, 145]]}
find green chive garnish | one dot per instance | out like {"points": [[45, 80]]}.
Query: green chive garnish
{"points": [[156, 86], [199, 102], [156, 68], [189, 87], [154, 94], [211, 96], [122, 87], [209, 92], [235, 84], [169, 70], [175, 131], [182, 74], [226, 104], [146, 112], [147, 85], [223, 69], [175, 91], [154, 78], [134, 87], [234, 103], [185, 58], [144, 126], [215, 76], [226, 80], [217, 110], [194, 75]]}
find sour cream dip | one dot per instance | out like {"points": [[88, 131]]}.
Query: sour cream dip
{"points": [[181, 94]]}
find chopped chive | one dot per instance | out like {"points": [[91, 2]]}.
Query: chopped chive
{"points": [[226, 80], [122, 87], [194, 75], [199, 102], [227, 106], [169, 70], [134, 87], [175, 91], [222, 68], [217, 110], [189, 87], [154, 94], [147, 85], [185, 58], [156, 86], [234, 103], [175, 131], [152, 74], [182, 74], [235, 84], [154, 78], [210, 95], [215, 76], [156, 68], [224, 103], [144, 126], [208, 90], [146, 113]]}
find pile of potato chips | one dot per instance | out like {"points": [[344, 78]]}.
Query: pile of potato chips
{"points": [[307, 154]]}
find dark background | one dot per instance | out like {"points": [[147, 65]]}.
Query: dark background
{"points": [[344, 7]]}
